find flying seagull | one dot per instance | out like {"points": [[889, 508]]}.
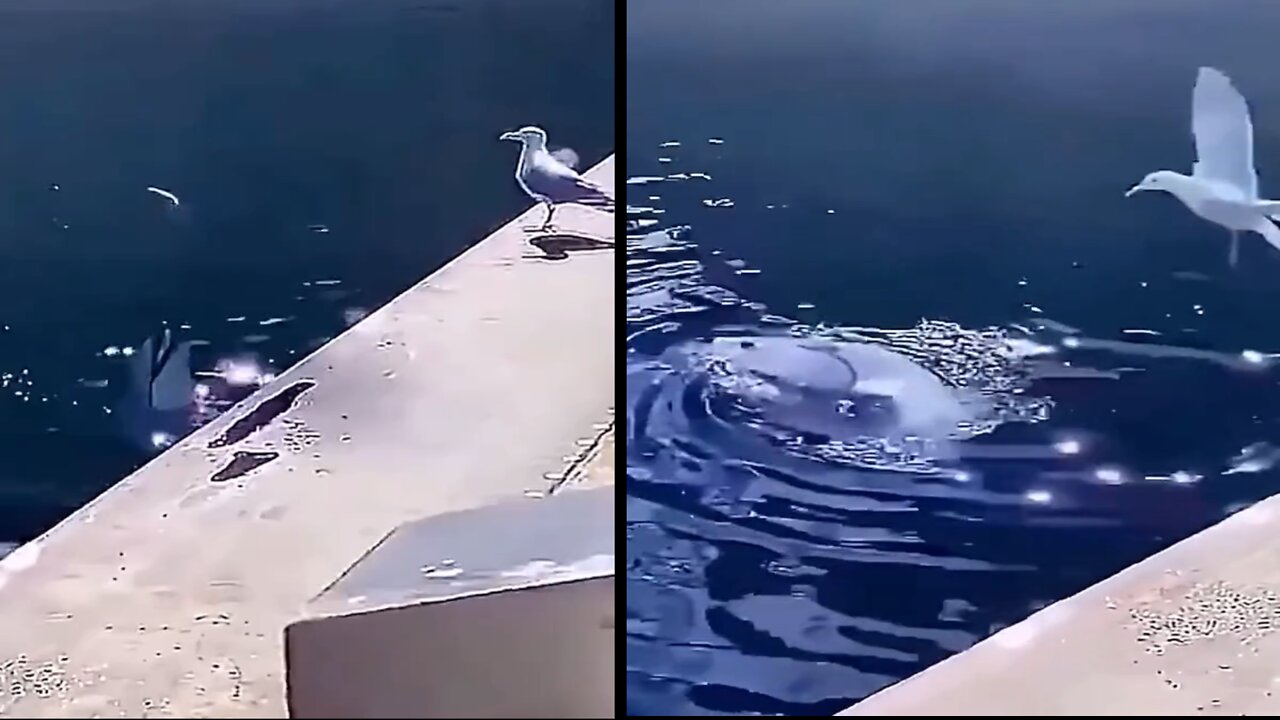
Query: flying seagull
{"points": [[547, 179], [1223, 185]]}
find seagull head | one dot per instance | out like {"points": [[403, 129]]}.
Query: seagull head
{"points": [[529, 135], [1166, 180]]}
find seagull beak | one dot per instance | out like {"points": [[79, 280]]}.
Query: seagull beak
{"points": [[508, 136], [1133, 190]]}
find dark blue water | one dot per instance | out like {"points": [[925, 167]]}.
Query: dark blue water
{"points": [[327, 154], [903, 364]]}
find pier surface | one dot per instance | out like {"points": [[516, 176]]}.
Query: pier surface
{"points": [[1192, 630], [167, 595]]}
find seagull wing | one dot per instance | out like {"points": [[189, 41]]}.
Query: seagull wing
{"points": [[1223, 133], [556, 181]]}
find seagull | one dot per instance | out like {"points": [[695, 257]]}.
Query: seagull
{"points": [[547, 179], [1223, 185]]}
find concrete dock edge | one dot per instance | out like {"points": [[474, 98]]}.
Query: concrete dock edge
{"points": [[1191, 630]]}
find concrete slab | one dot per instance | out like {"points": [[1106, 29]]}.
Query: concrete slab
{"points": [[1189, 631], [167, 596], [505, 610]]}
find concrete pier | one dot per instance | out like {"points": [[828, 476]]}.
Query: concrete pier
{"points": [[168, 595], [1192, 630], [502, 611]]}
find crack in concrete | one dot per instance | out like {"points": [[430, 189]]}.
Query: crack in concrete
{"points": [[576, 468]]}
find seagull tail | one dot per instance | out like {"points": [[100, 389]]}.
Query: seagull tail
{"points": [[1268, 230], [1270, 208], [594, 196], [600, 202]]}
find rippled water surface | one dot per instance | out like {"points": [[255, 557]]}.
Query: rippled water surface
{"points": [[903, 364], [325, 154]]}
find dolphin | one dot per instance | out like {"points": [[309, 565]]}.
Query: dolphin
{"points": [[840, 390]]}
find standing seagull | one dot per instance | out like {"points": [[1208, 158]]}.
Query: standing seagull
{"points": [[1223, 185], [548, 180]]}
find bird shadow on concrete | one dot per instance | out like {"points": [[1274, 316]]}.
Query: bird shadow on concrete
{"points": [[558, 246]]}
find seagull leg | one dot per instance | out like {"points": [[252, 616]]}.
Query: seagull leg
{"points": [[1233, 255], [546, 226]]}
